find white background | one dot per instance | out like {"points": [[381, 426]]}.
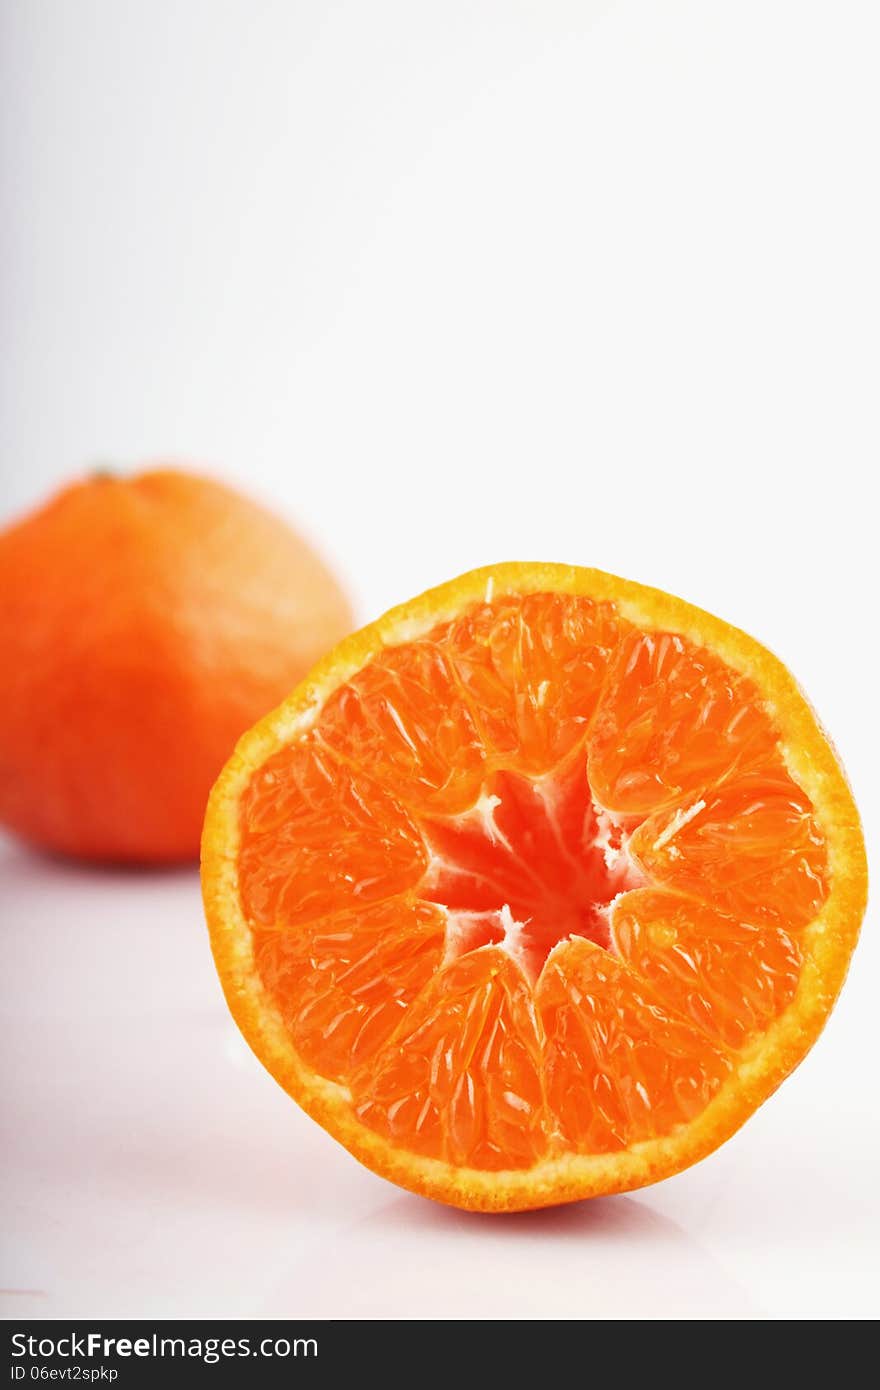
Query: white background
{"points": [[446, 283]]}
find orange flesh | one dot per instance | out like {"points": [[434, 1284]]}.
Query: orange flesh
{"points": [[530, 884]]}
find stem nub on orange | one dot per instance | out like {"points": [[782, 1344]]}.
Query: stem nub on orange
{"points": [[145, 623], [535, 888]]}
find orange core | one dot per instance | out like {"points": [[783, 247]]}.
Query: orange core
{"points": [[532, 864]]}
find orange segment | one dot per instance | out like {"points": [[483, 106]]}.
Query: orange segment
{"points": [[752, 848], [620, 1067], [730, 978], [673, 720], [461, 1079], [532, 667], [342, 983], [403, 719], [536, 888], [317, 837]]}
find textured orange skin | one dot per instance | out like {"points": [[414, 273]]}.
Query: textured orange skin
{"points": [[828, 941], [145, 623]]}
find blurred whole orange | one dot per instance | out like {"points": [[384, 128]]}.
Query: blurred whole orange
{"points": [[145, 623]]}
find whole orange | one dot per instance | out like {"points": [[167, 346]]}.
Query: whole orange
{"points": [[145, 623]]}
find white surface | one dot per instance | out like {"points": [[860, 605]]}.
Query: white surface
{"points": [[449, 283]]}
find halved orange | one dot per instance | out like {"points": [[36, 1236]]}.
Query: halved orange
{"points": [[536, 888]]}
